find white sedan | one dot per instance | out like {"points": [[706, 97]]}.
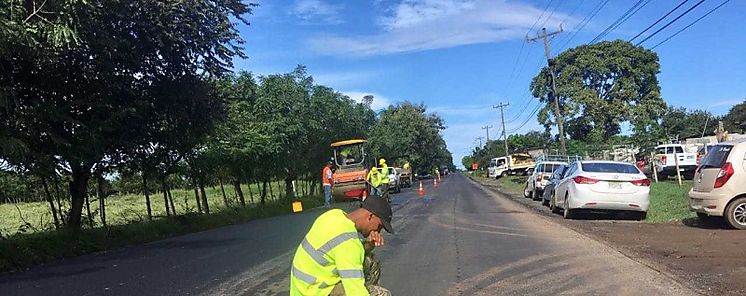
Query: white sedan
{"points": [[603, 185]]}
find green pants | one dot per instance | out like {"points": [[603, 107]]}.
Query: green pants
{"points": [[372, 271]]}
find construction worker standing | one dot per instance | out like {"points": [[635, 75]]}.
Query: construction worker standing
{"points": [[326, 181], [374, 178], [335, 256], [384, 175]]}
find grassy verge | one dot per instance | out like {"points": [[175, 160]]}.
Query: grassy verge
{"points": [[23, 250], [512, 184], [669, 202]]}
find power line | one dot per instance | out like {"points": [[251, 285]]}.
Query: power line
{"points": [[538, 106], [584, 22], [694, 22], [659, 20], [671, 22], [631, 12]]}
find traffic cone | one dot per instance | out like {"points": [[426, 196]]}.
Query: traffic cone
{"points": [[365, 194], [435, 183], [421, 191]]}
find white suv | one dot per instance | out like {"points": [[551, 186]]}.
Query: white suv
{"points": [[539, 178], [719, 189]]}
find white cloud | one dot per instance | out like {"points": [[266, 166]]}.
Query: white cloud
{"points": [[317, 10], [417, 25], [464, 110], [379, 101], [344, 79]]}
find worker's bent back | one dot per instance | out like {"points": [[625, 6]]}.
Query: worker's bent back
{"points": [[331, 252]]}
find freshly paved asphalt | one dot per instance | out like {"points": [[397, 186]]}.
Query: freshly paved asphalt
{"points": [[460, 239]]}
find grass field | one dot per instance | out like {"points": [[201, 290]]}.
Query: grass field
{"points": [[668, 200], [123, 209]]}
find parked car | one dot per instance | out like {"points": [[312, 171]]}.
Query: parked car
{"points": [[719, 189], [539, 178], [665, 156], [554, 179], [603, 185], [394, 180]]}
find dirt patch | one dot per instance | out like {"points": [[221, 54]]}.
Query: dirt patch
{"points": [[705, 256]]}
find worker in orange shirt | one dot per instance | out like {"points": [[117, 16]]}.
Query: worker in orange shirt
{"points": [[326, 181]]}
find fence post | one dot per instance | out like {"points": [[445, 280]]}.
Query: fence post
{"points": [[652, 166], [676, 161]]}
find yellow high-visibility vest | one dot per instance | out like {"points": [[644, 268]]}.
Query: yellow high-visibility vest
{"points": [[384, 173], [331, 252]]}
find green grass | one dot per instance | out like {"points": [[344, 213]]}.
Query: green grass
{"points": [[512, 184], [123, 209], [26, 249], [669, 202]]}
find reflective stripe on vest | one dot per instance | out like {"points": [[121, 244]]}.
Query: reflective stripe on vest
{"points": [[318, 254], [307, 278], [351, 274]]}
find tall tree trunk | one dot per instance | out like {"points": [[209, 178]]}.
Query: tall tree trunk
{"points": [[51, 203], [196, 195], [165, 197], [57, 195], [263, 197], [101, 198], [78, 192], [205, 204], [239, 192], [251, 193], [170, 198], [88, 210], [271, 194], [147, 195], [222, 190], [289, 190]]}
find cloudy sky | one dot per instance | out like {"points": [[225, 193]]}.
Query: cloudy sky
{"points": [[462, 57]]}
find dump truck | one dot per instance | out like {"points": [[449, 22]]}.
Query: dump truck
{"points": [[514, 164]]}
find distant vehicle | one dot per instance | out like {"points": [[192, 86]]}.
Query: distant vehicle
{"points": [[719, 189], [423, 175], [517, 163], [554, 179], [394, 180], [539, 176], [351, 169], [603, 185], [405, 177], [665, 157]]}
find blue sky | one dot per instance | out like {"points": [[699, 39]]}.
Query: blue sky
{"points": [[462, 57]]}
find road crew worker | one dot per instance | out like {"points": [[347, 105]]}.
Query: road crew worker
{"points": [[375, 178], [335, 257], [383, 170], [327, 180]]}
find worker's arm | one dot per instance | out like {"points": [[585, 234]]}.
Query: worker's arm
{"points": [[349, 258]]}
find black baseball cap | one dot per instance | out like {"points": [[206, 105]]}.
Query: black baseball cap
{"points": [[381, 208]]}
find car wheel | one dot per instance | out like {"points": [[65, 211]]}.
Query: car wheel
{"points": [[553, 205], [535, 194], [736, 213], [504, 174], [568, 213]]}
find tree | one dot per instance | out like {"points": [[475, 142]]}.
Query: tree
{"points": [[406, 132], [599, 86], [735, 119], [138, 68], [681, 123]]}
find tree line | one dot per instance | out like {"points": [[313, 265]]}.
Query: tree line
{"points": [[112, 95]]}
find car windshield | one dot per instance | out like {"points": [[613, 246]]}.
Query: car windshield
{"points": [[716, 157], [550, 167], [607, 167]]}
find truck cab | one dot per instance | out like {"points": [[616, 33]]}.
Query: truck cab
{"points": [[517, 163], [666, 156]]}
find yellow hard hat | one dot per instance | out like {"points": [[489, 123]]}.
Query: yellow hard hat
{"points": [[381, 161]]}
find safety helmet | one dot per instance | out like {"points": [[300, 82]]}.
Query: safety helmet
{"points": [[381, 161]]}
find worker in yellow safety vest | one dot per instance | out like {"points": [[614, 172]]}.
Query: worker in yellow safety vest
{"points": [[383, 170], [374, 179], [335, 256]]}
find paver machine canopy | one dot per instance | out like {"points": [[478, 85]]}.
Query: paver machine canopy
{"points": [[351, 169]]}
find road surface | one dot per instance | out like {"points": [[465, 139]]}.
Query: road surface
{"points": [[460, 239]]}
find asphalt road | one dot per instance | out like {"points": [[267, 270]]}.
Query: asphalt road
{"points": [[460, 239]]}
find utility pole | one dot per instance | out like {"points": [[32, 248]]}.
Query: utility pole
{"points": [[502, 119], [557, 114], [487, 127], [480, 141]]}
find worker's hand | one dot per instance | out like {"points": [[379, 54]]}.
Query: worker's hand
{"points": [[375, 239]]}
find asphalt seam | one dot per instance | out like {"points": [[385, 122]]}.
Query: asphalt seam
{"points": [[495, 193]]}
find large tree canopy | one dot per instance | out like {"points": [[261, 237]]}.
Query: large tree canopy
{"points": [[599, 86]]}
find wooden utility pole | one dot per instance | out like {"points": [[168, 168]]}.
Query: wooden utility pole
{"points": [[502, 119], [557, 114], [487, 127], [480, 141]]}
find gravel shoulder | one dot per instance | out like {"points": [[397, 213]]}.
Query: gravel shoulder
{"points": [[706, 257]]}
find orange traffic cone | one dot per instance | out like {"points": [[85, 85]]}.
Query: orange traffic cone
{"points": [[365, 194], [435, 183], [421, 191]]}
